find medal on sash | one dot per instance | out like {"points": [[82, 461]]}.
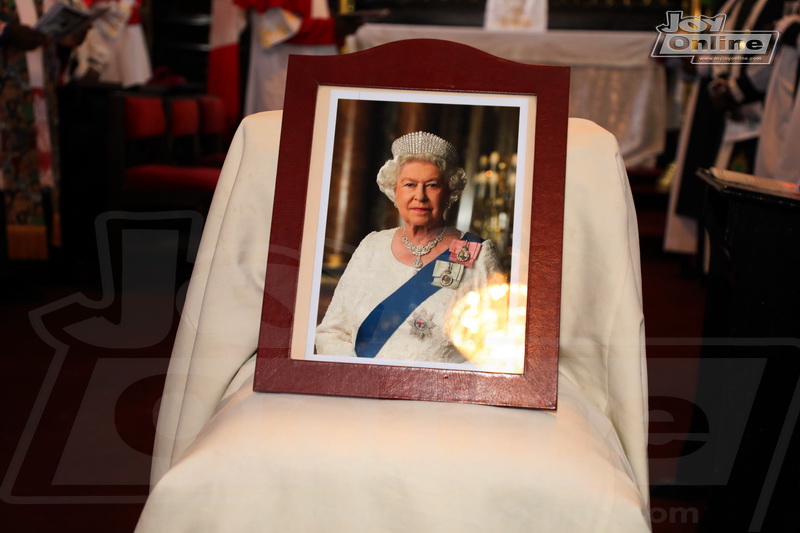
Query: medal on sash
{"points": [[464, 252], [422, 325], [447, 275]]}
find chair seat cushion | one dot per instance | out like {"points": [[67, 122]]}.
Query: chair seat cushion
{"points": [[263, 457], [171, 178]]}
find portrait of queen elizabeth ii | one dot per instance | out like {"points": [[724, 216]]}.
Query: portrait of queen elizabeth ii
{"points": [[394, 297]]}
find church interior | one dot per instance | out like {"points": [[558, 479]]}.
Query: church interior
{"points": [[97, 258]]}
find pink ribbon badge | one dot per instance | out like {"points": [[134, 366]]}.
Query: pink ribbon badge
{"points": [[464, 252]]}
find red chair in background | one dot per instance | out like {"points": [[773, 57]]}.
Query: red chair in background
{"points": [[183, 130], [157, 154]]}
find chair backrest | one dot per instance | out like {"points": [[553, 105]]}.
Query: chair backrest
{"points": [[143, 117], [140, 129], [214, 132], [176, 130], [212, 115], [183, 116], [183, 129]]}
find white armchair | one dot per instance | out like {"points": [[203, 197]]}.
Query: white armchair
{"points": [[230, 459]]}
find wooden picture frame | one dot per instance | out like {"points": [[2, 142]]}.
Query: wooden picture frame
{"points": [[428, 73]]}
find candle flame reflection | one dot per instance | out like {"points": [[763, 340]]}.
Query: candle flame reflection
{"points": [[488, 327]]}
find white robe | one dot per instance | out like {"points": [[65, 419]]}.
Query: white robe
{"points": [[777, 155], [269, 54], [115, 47]]}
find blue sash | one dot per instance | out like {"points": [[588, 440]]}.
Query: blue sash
{"points": [[387, 316]]}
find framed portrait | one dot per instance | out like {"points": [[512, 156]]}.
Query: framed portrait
{"points": [[466, 153]]}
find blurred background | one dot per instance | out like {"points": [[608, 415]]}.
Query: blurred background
{"points": [[111, 156]]}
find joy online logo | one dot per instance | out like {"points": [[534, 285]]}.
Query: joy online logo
{"points": [[703, 39]]}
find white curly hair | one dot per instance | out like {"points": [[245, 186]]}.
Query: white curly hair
{"points": [[427, 147]]}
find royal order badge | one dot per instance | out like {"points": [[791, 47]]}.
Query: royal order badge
{"points": [[447, 275], [464, 252], [422, 325]]}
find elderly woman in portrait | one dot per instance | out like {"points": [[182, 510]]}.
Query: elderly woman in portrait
{"points": [[393, 299]]}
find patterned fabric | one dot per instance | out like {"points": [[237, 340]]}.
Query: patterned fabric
{"points": [[31, 196]]}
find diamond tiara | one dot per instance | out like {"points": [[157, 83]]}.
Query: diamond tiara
{"points": [[422, 142]]}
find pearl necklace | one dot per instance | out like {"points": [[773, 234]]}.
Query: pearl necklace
{"points": [[421, 250]]}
